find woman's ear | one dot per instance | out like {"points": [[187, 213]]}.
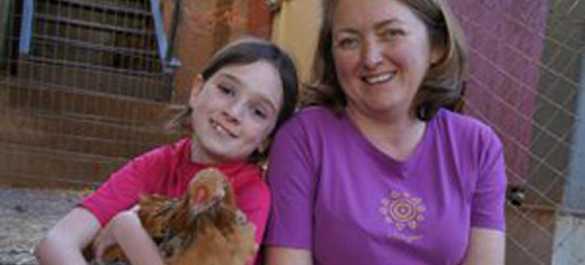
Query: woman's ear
{"points": [[437, 54], [196, 87]]}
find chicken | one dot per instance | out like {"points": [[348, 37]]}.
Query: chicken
{"points": [[204, 227]]}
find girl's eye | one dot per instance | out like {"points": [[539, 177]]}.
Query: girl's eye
{"points": [[260, 113], [348, 43], [226, 90]]}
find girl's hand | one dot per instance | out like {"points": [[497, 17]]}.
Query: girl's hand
{"points": [[106, 237], [103, 240]]}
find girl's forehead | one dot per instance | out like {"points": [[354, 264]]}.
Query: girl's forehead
{"points": [[260, 79]]}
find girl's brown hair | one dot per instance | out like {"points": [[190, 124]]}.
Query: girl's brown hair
{"points": [[247, 51]]}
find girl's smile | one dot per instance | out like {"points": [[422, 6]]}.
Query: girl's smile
{"points": [[234, 111]]}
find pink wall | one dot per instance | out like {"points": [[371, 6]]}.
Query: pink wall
{"points": [[506, 39]]}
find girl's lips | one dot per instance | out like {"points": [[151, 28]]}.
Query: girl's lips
{"points": [[222, 129]]}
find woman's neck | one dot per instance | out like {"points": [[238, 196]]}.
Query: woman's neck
{"points": [[396, 135]]}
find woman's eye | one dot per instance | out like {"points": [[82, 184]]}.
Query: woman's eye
{"points": [[392, 33], [348, 43]]}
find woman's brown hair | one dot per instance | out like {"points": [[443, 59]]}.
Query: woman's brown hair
{"points": [[442, 84]]}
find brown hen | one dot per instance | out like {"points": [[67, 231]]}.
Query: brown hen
{"points": [[204, 227]]}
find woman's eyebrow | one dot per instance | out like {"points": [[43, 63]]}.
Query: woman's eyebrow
{"points": [[377, 26], [346, 30], [387, 22]]}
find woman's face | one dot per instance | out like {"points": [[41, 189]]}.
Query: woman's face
{"points": [[234, 111], [382, 52]]}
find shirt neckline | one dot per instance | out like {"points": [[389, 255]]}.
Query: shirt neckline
{"points": [[403, 166]]}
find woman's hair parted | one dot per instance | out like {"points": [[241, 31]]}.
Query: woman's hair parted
{"points": [[247, 51], [441, 87]]}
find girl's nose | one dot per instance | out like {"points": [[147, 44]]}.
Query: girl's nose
{"points": [[234, 112]]}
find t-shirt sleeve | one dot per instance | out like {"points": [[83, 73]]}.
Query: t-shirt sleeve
{"points": [[490, 190], [254, 200], [122, 189], [290, 177]]}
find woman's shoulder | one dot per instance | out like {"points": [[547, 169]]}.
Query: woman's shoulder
{"points": [[463, 124], [314, 117], [464, 127]]}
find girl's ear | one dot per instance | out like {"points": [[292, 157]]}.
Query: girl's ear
{"points": [[196, 87]]}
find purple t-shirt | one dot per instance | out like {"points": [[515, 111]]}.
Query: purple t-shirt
{"points": [[338, 196]]}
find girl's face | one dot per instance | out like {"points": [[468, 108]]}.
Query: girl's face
{"points": [[234, 111], [382, 52]]}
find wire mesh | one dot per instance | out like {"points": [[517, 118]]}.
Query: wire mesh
{"points": [[527, 63], [92, 93]]}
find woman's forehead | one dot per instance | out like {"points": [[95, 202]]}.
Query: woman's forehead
{"points": [[371, 13]]}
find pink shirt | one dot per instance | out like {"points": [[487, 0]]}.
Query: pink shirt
{"points": [[167, 171]]}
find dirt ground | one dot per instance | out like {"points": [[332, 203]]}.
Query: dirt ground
{"points": [[25, 216]]}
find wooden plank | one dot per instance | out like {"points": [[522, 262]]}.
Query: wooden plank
{"points": [[105, 6], [93, 35], [40, 166], [100, 16], [70, 52], [91, 45], [94, 78], [78, 103], [75, 134], [93, 25]]}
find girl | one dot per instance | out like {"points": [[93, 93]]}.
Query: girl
{"points": [[247, 90]]}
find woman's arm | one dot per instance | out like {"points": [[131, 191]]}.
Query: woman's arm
{"points": [[65, 241], [486, 247], [292, 178], [287, 256]]}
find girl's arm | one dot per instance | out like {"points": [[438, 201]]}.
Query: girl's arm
{"points": [[486, 247], [287, 256], [128, 232], [65, 241]]}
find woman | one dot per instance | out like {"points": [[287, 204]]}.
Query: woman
{"points": [[382, 172], [242, 96]]}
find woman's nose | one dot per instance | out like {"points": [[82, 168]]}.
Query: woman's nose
{"points": [[372, 54]]}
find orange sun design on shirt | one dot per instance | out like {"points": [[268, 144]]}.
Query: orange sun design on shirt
{"points": [[402, 210]]}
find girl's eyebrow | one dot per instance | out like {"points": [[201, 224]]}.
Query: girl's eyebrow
{"points": [[232, 77], [263, 98]]}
